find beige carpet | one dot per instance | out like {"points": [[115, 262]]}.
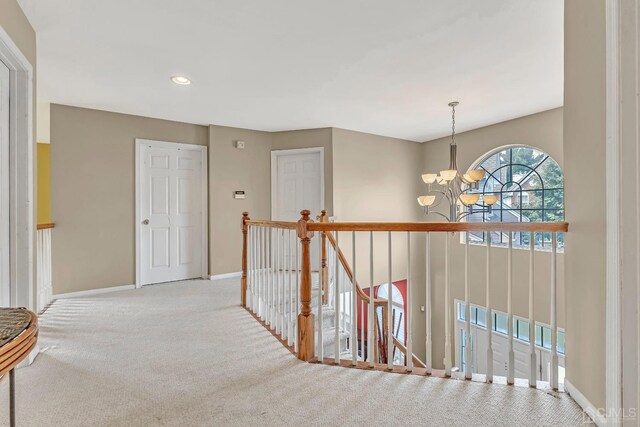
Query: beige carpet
{"points": [[186, 354]]}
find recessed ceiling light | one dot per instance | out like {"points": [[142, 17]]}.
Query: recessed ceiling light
{"points": [[181, 80]]}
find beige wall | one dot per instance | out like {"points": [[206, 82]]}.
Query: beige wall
{"points": [[231, 169], [542, 130], [584, 151], [16, 25], [376, 178], [93, 192]]}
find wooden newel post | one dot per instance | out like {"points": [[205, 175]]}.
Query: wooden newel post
{"points": [[306, 319], [324, 275], [243, 281]]}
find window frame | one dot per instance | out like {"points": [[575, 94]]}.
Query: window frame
{"points": [[544, 243]]}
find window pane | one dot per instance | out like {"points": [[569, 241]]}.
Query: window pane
{"points": [[482, 317], [530, 185], [539, 336], [560, 342], [501, 323], [523, 330], [474, 315], [546, 337], [461, 311]]}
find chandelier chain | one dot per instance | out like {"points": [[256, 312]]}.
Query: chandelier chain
{"points": [[453, 124]]}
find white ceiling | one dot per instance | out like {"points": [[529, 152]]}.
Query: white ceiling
{"points": [[378, 66]]}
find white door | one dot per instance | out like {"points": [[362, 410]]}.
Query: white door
{"points": [[5, 277], [171, 211], [298, 184]]}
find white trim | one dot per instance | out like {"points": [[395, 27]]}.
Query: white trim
{"points": [[93, 292], [22, 237], [274, 174], [613, 344], [588, 408], [226, 275], [139, 142]]}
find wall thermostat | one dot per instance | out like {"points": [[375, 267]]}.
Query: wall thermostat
{"points": [[238, 194], [240, 145]]}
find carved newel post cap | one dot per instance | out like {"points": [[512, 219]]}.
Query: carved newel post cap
{"points": [[245, 218], [305, 214]]}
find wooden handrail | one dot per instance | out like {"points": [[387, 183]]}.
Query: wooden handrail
{"points": [[45, 226], [273, 224], [440, 226]]}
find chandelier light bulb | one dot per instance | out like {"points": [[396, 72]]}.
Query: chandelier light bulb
{"points": [[490, 199], [449, 174], [429, 178], [469, 199], [426, 200], [476, 174], [468, 179]]}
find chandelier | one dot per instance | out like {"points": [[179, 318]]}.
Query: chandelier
{"points": [[455, 188]]}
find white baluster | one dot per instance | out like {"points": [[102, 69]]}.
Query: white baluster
{"points": [[281, 280], [371, 323], [297, 285], [553, 380], [336, 306], [289, 287], [343, 297], [489, 314], [467, 311], [250, 266], [264, 275], [260, 270], [254, 269], [275, 279], [533, 365], [408, 317], [354, 308], [272, 287], [428, 342], [262, 284], [390, 310], [511, 355], [320, 345], [362, 311], [447, 309]]}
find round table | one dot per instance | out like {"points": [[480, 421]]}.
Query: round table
{"points": [[18, 336]]}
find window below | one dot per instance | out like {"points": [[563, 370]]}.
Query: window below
{"points": [[500, 322]]}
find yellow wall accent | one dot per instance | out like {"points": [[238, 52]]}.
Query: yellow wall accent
{"points": [[44, 183]]}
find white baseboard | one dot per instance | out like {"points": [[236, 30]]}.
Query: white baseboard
{"points": [[226, 275], [93, 292], [589, 409]]}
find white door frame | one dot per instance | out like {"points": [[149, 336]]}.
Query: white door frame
{"points": [[205, 191], [21, 182], [613, 344], [274, 174]]}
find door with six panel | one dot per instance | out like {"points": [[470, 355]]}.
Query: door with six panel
{"points": [[171, 209]]}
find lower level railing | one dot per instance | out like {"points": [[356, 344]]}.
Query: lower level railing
{"points": [[300, 283], [43, 266]]}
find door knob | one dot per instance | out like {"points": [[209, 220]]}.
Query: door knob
{"points": [[145, 222]]}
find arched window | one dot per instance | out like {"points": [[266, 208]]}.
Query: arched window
{"points": [[530, 186]]}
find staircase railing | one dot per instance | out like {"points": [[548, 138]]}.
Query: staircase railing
{"points": [[267, 276]]}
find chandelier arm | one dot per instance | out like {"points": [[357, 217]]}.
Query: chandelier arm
{"points": [[442, 215], [465, 214]]}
